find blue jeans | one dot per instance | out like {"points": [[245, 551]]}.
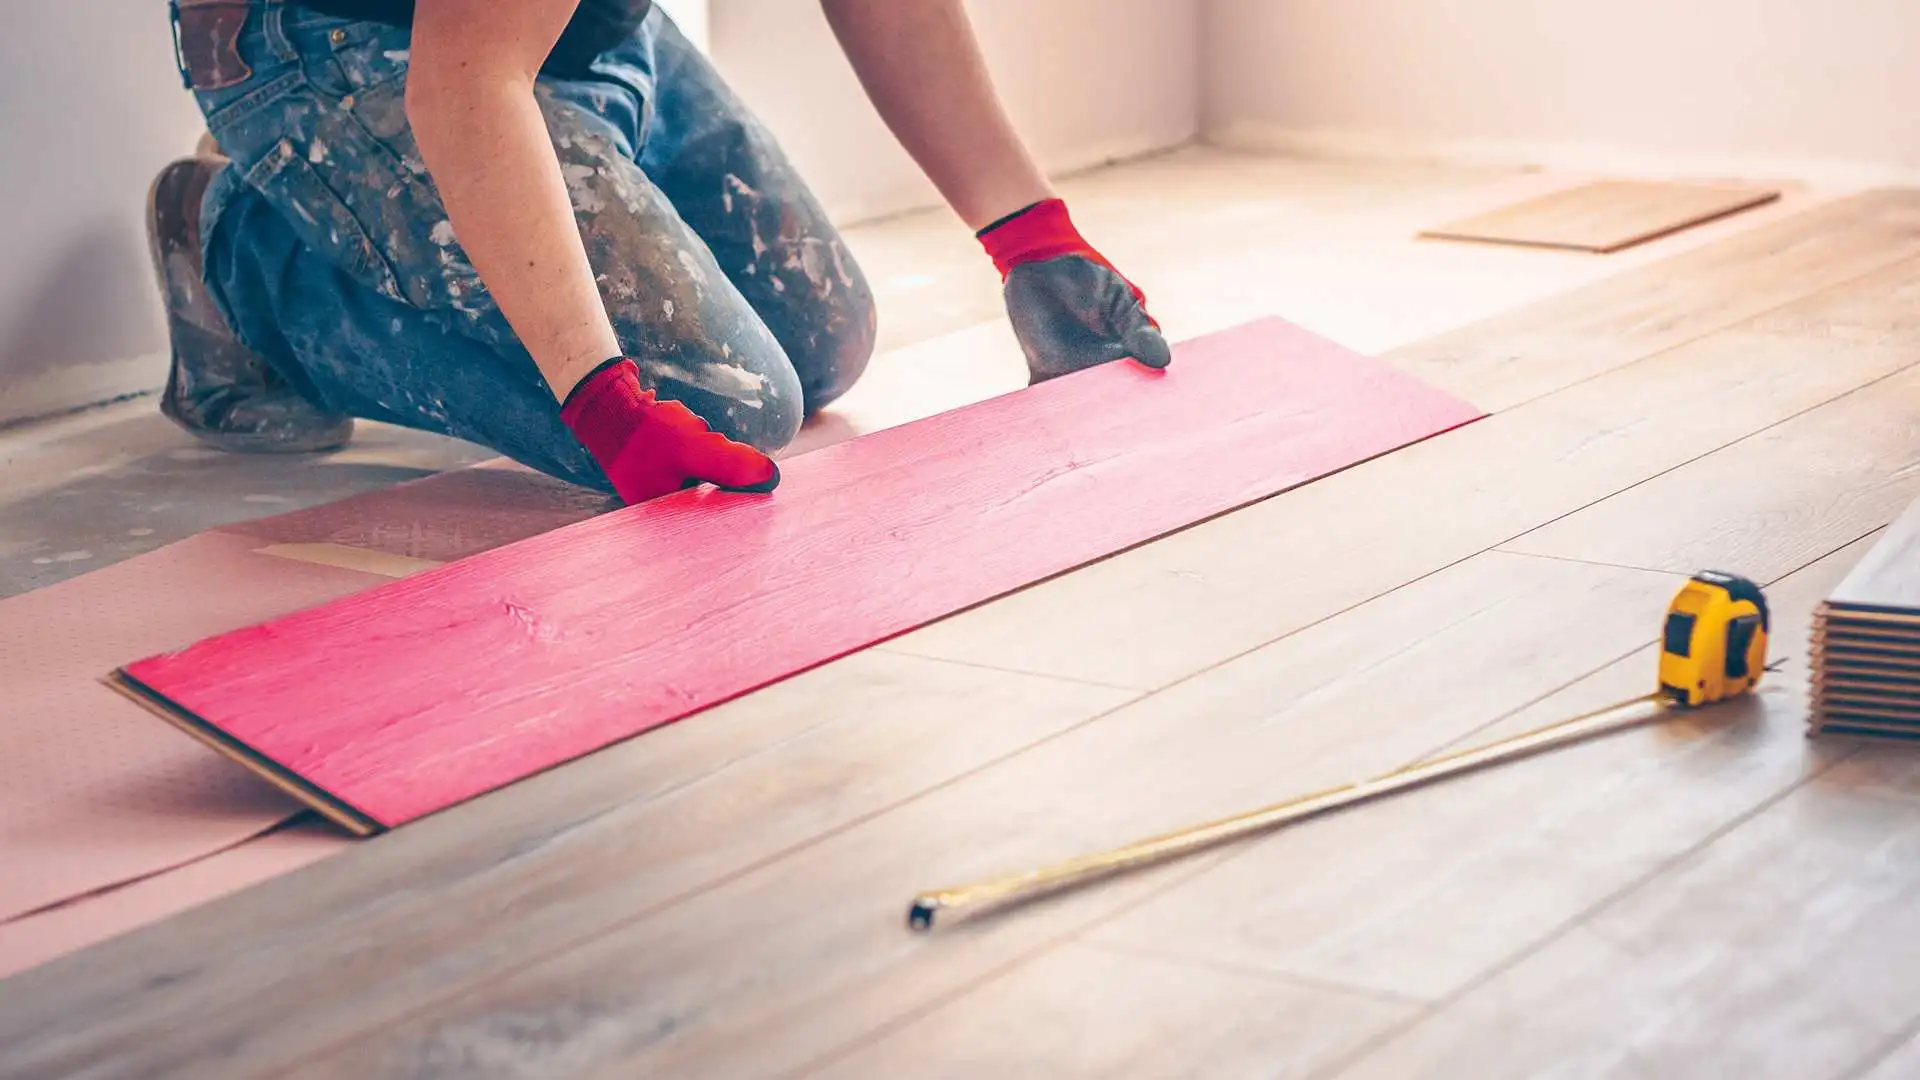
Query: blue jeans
{"points": [[329, 252]]}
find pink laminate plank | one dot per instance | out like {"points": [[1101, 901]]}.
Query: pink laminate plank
{"points": [[420, 694]]}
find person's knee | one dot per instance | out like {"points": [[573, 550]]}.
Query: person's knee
{"points": [[736, 377], [834, 350]]}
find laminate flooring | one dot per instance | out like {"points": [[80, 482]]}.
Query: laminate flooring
{"points": [[1229, 237], [1604, 216], [1716, 896]]}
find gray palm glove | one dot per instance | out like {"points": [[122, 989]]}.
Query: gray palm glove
{"points": [[1069, 307]]}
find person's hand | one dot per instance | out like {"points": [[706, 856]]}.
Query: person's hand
{"points": [[1069, 307], [648, 447]]}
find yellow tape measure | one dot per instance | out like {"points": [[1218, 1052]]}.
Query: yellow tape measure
{"points": [[1714, 644]]}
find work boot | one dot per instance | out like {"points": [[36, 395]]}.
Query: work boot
{"points": [[218, 389]]}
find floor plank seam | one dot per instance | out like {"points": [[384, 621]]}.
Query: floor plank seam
{"points": [[1278, 975], [1842, 547], [1493, 971], [912, 1016], [1600, 563], [1072, 680]]}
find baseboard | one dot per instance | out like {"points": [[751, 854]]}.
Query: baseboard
{"points": [[1583, 157], [51, 393]]}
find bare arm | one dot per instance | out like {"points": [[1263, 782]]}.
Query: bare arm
{"points": [[920, 63], [480, 130]]}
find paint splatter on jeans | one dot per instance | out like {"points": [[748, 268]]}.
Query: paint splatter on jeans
{"points": [[330, 254]]}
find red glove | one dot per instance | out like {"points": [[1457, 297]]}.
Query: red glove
{"points": [[1070, 308], [649, 447]]}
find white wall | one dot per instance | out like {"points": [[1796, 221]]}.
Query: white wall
{"points": [[691, 16], [1789, 88], [1086, 81], [93, 108]]}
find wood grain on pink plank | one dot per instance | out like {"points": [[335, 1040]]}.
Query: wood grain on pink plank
{"points": [[419, 694]]}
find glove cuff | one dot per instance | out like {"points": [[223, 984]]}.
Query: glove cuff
{"points": [[1037, 233], [603, 409], [1045, 231]]}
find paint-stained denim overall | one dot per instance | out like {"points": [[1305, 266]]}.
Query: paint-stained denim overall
{"points": [[329, 252]]}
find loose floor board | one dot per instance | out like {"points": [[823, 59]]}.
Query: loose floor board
{"points": [[426, 692], [1604, 216], [1888, 579], [1866, 642]]}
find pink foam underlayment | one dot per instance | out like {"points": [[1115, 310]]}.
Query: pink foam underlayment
{"points": [[110, 819], [94, 791], [53, 932]]}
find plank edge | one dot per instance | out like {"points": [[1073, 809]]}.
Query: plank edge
{"points": [[334, 809]]}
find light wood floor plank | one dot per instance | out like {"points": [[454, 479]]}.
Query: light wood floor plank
{"points": [[802, 957], [1775, 500], [1092, 1012], [1786, 950], [1165, 611], [1419, 896], [350, 942]]}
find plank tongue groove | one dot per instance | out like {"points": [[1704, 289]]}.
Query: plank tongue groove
{"points": [[428, 691]]}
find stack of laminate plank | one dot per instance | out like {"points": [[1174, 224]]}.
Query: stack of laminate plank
{"points": [[1866, 641]]}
